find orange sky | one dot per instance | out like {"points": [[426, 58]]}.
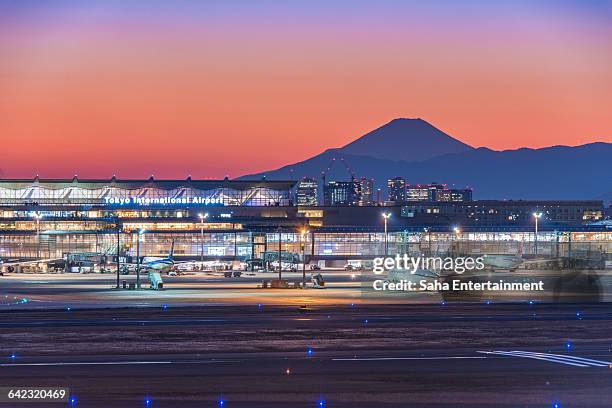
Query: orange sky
{"points": [[139, 90]]}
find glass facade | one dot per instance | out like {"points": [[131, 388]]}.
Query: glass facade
{"points": [[144, 193], [326, 244]]}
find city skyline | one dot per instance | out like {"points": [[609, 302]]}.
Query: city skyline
{"points": [[101, 88]]}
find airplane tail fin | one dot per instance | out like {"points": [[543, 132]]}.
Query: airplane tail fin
{"points": [[171, 253]]}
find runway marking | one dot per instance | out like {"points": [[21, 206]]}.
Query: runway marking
{"points": [[553, 358], [595, 363], [410, 358], [90, 363]]}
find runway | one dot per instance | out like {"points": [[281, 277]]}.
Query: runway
{"points": [[353, 356]]}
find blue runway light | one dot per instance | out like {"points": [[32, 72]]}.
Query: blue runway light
{"points": [[68, 308], [321, 403], [443, 302], [568, 345], [72, 401], [488, 302], [221, 402], [147, 402], [309, 352], [365, 321], [578, 315], [12, 356], [556, 405], [164, 307], [531, 302]]}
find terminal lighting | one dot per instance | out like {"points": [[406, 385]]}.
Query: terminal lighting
{"points": [[386, 216]]}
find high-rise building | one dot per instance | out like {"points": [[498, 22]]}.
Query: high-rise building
{"points": [[453, 195], [436, 192], [397, 189], [342, 192], [367, 191], [306, 192], [423, 192]]}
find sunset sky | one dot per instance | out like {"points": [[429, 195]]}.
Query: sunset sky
{"points": [[206, 88]]}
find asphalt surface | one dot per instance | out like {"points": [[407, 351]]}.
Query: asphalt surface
{"points": [[451, 355], [43, 291]]}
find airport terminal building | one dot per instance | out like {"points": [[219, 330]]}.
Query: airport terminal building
{"points": [[230, 219]]}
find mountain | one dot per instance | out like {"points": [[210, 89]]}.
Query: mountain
{"points": [[557, 172], [405, 139]]}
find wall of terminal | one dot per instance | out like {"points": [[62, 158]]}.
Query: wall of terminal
{"points": [[141, 194], [316, 244]]}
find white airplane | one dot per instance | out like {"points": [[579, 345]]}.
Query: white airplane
{"points": [[398, 275], [12, 264], [502, 261], [157, 264], [510, 262]]}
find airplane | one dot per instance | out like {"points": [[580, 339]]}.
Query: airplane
{"points": [[510, 262], [502, 261], [165, 265], [11, 265], [398, 275], [513, 262], [157, 264]]}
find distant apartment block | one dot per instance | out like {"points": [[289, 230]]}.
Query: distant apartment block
{"points": [[396, 188], [306, 192], [342, 193], [367, 191], [437, 192]]}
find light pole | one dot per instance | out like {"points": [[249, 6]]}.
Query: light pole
{"points": [[386, 217], [38, 217], [303, 234], [456, 231], [140, 232], [202, 218], [118, 249], [280, 263], [426, 230], [536, 217]]}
